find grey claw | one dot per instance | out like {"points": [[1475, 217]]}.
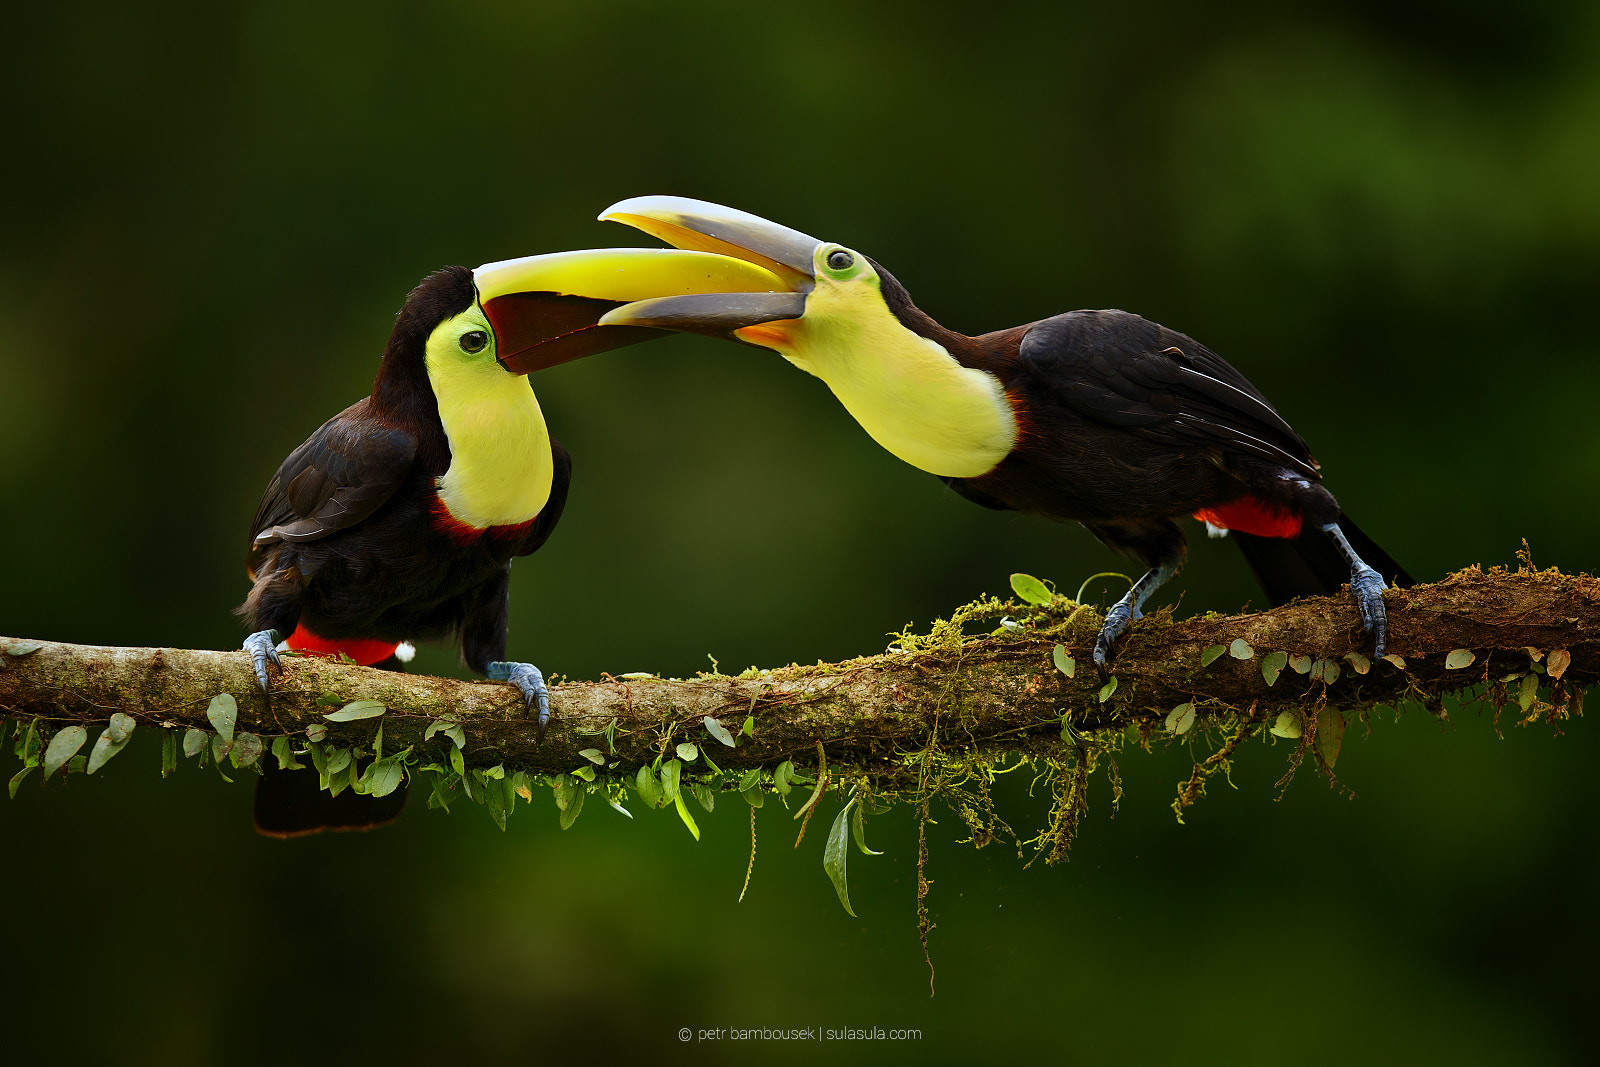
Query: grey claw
{"points": [[526, 677], [1367, 587], [263, 648], [1117, 619]]}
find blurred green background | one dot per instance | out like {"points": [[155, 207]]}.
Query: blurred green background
{"points": [[1386, 214]]}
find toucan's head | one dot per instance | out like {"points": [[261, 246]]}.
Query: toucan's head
{"points": [[517, 316], [828, 290], [843, 318]]}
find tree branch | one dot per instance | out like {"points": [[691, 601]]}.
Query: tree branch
{"points": [[997, 692]]}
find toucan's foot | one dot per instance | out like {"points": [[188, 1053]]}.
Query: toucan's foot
{"points": [[526, 677], [1121, 614], [1367, 586], [263, 648], [1129, 610]]}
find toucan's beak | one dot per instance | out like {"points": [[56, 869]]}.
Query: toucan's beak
{"points": [[695, 224], [547, 309]]}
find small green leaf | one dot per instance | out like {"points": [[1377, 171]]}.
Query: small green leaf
{"points": [[247, 749], [1181, 718], [753, 797], [319, 760], [688, 752], [1209, 656], [16, 780], [649, 788], [1461, 657], [1529, 692], [1560, 659], [457, 764], [1064, 663], [1330, 734], [63, 746], [683, 813], [496, 801], [593, 756], [749, 727], [671, 774], [219, 749], [615, 803], [23, 648], [858, 830], [782, 777], [586, 773], [384, 776], [121, 727], [356, 709], [720, 732], [1107, 689], [75, 764], [1398, 661], [223, 712], [1030, 589], [1358, 662], [316, 732], [1301, 664], [338, 760], [751, 779], [111, 741], [1240, 649], [837, 851], [1287, 724], [703, 795], [283, 749], [569, 814], [1272, 665], [169, 753], [342, 776]]}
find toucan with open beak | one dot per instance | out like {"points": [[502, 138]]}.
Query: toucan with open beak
{"points": [[1102, 417], [398, 520]]}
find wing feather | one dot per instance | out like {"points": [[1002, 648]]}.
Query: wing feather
{"points": [[1125, 371], [342, 474]]}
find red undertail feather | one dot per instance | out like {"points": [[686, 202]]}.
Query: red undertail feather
{"points": [[1249, 515], [364, 651], [462, 534]]}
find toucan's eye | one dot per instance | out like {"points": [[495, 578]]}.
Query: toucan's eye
{"points": [[840, 260], [474, 341]]}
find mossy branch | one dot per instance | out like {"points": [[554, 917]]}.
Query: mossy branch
{"points": [[998, 692]]}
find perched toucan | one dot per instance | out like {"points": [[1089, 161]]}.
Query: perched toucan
{"points": [[398, 519], [1098, 416]]}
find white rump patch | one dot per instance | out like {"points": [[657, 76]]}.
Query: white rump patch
{"points": [[405, 651], [1214, 531]]}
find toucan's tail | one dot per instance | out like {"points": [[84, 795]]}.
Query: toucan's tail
{"points": [[293, 803], [1310, 565]]}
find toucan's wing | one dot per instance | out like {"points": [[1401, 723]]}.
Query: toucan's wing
{"points": [[342, 474], [1125, 371]]}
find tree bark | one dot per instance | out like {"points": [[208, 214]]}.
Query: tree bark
{"points": [[998, 692]]}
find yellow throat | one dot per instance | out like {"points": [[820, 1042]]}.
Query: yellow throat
{"points": [[501, 467], [906, 391]]}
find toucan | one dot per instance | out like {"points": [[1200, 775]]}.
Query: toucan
{"points": [[398, 519], [1102, 417]]}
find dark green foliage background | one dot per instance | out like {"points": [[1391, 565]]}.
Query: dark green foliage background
{"points": [[1385, 214]]}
